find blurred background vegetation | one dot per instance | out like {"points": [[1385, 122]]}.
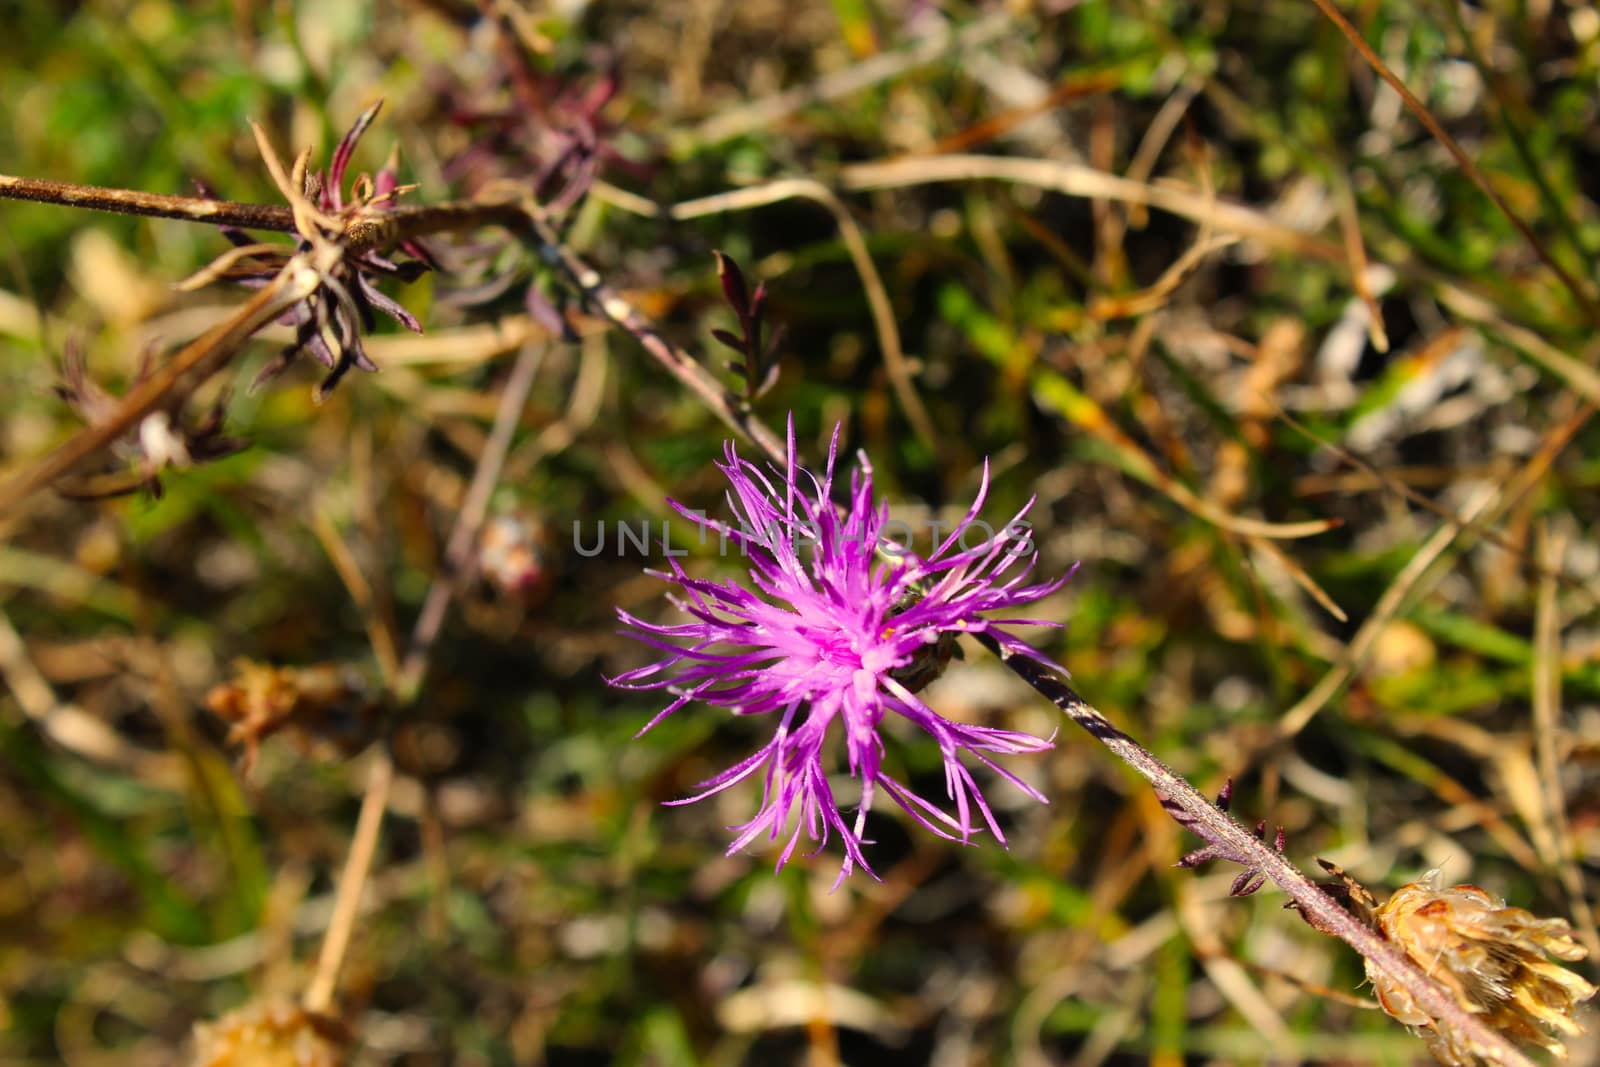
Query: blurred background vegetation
{"points": [[1327, 320]]}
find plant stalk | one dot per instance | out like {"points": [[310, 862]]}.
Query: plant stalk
{"points": [[1217, 826]]}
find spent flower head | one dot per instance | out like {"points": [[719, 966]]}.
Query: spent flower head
{"points": [[328, 324], [832, 635], [168, 437], [1495, 960]]}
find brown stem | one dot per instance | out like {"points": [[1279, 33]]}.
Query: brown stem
{"points": [[381, 229], [347, 898], [158, 205], [374, 229], [680, 364], [1218, 827], [193, 364], [469, 522], [408, 682]]}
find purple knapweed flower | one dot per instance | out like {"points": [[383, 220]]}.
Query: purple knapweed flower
{"points": [[838, 628]]}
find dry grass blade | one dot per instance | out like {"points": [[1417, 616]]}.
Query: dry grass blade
{"points": [[1411, 578], [1387, 481], [1073, 179], [75, 729], [1300, 577], [1155, 297], [1574, 373], [765, 113], [1226, 973], [379, 635], [352, 880], [1546, 730], [218, 268], [1579, 292], [1356, 248], [1053, 392]]}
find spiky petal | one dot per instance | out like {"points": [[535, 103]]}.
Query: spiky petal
{"points": [[820, 640]]}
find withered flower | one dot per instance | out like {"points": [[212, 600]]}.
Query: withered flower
{"points": [[543, 129], [165, 438], [534, 128], [326, 702], [1495, 960], [275, 1032], [328, 323], [514, 553]]}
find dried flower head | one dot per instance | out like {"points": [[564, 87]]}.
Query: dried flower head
{"points": [[536, 125], [328, 324], [1494, 959], [538, 128], [835, 631], [164, 439], [326, 702], [514, 556], [273, 1032]]}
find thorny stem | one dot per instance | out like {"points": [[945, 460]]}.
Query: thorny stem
{"points": [[1220, 828], [407, 684]]}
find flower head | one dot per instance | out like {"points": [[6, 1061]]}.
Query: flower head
{"points": [[835, 634], [328, 323], [272, 1030], [165, 438], [1494, 959]]}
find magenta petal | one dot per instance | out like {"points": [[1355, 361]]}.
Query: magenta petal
{"points": [[818, 632], [346, 149]]}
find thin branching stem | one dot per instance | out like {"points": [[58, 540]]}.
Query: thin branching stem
{"points": [[1221, 829]]}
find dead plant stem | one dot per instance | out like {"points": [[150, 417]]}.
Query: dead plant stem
{"points": [[192, 365], [407, 685], [1314, 905]]}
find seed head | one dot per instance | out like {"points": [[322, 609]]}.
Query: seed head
{"points": [[1496, 961]]}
